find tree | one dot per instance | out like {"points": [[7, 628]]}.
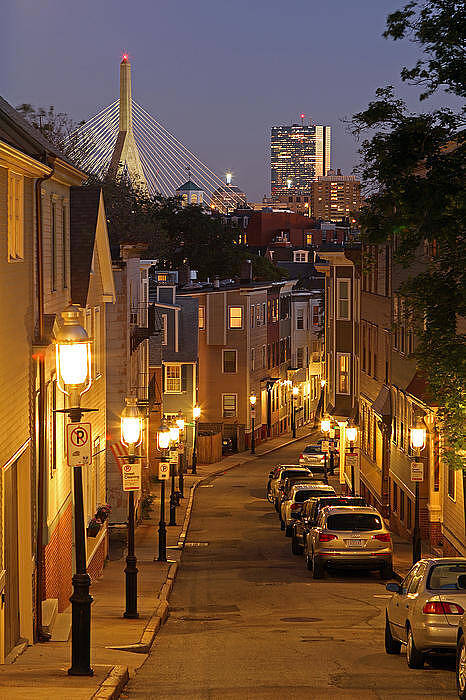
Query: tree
{"points": [[413, 169]]}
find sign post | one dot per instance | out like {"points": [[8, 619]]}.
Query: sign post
{"points": [[79, 444]]}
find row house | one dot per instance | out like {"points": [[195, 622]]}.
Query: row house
{"points": [[55, 252], [393, 396], [173, 356]]}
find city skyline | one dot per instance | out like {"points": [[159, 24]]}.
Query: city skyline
{"points": [[222, 83]]}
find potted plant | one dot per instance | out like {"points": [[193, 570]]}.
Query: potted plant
{"points": [[93, 527], [103, 511]]}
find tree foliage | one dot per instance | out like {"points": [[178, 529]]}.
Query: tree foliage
{"points": [[439, 26], [413, 166]]}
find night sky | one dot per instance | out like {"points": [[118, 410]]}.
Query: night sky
{"points": [[216, 73]]}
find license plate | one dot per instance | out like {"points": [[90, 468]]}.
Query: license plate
{"points": [[354, 543]]}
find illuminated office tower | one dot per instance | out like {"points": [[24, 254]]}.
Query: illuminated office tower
{"points": [[299, 155]]}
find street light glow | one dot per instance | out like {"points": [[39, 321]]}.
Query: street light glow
{"points": [[418, 436], [180, 421], [295, 391], [325, 425], [163, 434], [73, 355], [196, 412], [253, 399], [131, 424]]}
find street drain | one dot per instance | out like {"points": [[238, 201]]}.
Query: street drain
{"points": [[196, 544], [199, 619], [300, 619]]}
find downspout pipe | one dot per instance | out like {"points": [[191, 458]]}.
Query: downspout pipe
{"points": [[40, 635]]}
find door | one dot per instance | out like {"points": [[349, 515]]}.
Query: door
{"points": [[397, 606], [12, 628]]}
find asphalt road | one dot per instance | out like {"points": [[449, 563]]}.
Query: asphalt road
{"points": [[248, 621]]}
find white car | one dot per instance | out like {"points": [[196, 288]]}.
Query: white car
{"points": [[291, 509], [426, 608]]}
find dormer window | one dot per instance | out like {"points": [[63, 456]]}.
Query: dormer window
{"points": [[300, 256]]}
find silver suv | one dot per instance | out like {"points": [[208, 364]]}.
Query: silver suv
{"points": [[349, 536]]}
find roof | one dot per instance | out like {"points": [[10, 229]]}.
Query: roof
{"points": [[382, 405], [18, 132], [419, 388], [189, 186], [84, 208]]}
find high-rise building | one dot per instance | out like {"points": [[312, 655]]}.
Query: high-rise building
{"points": [[336, 196], [299, 155]]}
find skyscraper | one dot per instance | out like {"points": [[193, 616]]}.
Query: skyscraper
{"points": [[299, 155]]}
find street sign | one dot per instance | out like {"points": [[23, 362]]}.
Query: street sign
{"points": [[131, 474], [79, 444], [164, 470], [325, 446], [417, 471], [181, 449], [351, 459]]}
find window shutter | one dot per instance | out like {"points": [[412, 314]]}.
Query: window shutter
{"points": [[164, 369], [184, 377]]}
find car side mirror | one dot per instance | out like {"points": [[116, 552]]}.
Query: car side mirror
{"points": [[461, 582], [393, 587]]}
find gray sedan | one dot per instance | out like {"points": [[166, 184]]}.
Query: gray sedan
{"points": [[425, 609]]}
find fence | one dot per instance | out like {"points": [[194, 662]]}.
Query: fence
{"points": [[209, 448]]}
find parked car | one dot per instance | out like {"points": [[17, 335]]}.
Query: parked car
{"points": [[300, 493], [284, 473], [425, 609], [310, 512], [349, 536], [285, 490], [312, 455], [461, 648]]}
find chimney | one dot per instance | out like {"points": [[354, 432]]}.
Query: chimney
{"points": [[216, 282], [184, 275], [339, 171], [246, 271]]}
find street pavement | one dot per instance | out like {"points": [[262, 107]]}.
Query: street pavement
{"points": [[248, 621]]}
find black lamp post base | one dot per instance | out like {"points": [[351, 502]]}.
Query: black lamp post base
{"points": [[131, 572], [81, 627]]}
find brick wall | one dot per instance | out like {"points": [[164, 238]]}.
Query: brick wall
{"points": [[58, 560]]}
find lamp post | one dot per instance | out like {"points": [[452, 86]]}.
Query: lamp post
{"points": [[325, 428], [196, 416], [417, 436], [323, 383], [180, 422], [351, 435], [174, 437], [131, 436], [73, 361], [252, 404], [331, 435], [295, 393], [163, 435]]}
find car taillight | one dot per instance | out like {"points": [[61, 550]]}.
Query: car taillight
{"points": [[301, 456], [383, 537], [437, 607], [326, 537]]}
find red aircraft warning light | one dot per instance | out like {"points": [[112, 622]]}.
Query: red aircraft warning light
{"points": [[124, 57]]}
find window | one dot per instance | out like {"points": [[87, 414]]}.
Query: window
{"points": [[173, 379], [343, 374], [229, 361], [308, 238], [315, 316], [97, 343], [300, 357], [409, 513], [229, 402], [162, 277], [258, 315], [202, 317], [235, 317], [252, 360], [300, 256], [252, 315], [53, 241], [343, 300], [300, 319], [64, 248], [395, 497], [263, 318], [164, 329], [402, 504], [452, 483], [53, 427], [15, 217], [264, 353]]}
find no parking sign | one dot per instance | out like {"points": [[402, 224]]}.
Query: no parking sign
{"points": [[79, 444]]}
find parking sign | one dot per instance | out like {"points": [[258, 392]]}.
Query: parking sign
{"points": [[79, 444], [164, 470]]}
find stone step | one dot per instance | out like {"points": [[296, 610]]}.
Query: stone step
{"points": [[49, 614], [62, 627]]}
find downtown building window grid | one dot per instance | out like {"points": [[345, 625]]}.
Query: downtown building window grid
{"points": [[299, 155]]}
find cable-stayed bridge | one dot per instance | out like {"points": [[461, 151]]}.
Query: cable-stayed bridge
{"points": [[124, 138]]}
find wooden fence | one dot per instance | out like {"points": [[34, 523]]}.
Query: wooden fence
{"points": [[209, 448]]}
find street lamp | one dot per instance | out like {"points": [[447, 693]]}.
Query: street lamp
{"points": [[295, 393], [252, 403], [180, 422], [323, 383], [163, 437], [73, 362], [131, 436], [351, 435], [325, 428], [417, 436], [196, 416]]}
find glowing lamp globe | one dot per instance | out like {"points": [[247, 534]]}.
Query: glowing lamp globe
{"points": [[253, 399], [196, 412], [73, 351], [325, 425], [418, 436], [180, 422], [323, 382], [131, 424], [163, 435], [351, 433], [295, 391], [174, 433]]}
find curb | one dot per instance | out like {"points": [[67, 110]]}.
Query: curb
{"points": [[113, 684]]}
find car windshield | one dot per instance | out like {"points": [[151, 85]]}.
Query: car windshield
{"points": [[290, 473], [304, 495], [312, 449], [445, 576], [354, 521], [341, 501]]}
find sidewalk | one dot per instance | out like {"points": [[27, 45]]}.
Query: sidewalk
{"points": [[119, 646]]}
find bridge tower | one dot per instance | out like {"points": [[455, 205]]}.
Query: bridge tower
{"points": [[125, 157]]}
